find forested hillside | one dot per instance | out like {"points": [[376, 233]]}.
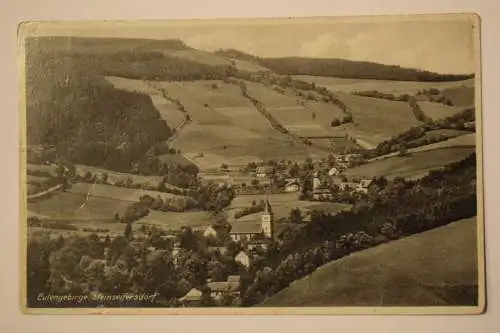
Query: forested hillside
{"points": [[342, 68]]}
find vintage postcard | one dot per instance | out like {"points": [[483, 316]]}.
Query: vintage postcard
{"points": [[260, 166]]}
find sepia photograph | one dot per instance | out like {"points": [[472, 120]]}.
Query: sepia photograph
{"points": [[315, 165]]}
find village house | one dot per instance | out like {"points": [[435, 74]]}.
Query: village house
{"points": [[334, 172], [364, 185], [243, 258], [263, 171], [322, 194], [229, 287], [292, 185], [210, 232]]}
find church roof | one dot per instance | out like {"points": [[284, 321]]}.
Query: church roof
{"points": [[267, 207], [246, 228]]}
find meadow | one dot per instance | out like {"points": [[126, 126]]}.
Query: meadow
{"points": [[437, 111], [174, 220], [385, 86], [413, 165], [436, 267], [282, 203], [375, 120], [114, 176], [116, 193]]}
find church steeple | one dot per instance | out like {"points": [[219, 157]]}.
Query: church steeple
{"points": [[267, 220]]}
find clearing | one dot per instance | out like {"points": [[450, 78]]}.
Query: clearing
{"points": [[436, 267]]}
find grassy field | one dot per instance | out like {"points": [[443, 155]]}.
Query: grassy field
{"points": [[74, 206], [463, 141], [116, 193], [282, 203], [375, 120], [462, 96], [437, 267], [437, 111], [50, 169], [384, 86], [414, 165], [36, 179], [173, 220], [114, 176]]}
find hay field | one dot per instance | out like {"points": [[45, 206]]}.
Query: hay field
{"points": [[375, 120], [385, 86], [437, 111], [414, 165], [436, 267]]}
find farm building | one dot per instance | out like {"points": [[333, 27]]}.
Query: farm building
{"points": [[229, 287], [321, 193]]}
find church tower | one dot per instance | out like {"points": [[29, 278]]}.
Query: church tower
{"points": [[267, 220]]}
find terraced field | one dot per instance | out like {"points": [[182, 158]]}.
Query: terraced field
{"points": [[436, 267]]}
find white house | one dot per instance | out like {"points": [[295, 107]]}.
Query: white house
{"points": [[210, 232], [243, 258], [229, 287], [333, 172]]}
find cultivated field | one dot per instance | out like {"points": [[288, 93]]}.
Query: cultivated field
{"points": [[462, 96], [393, 87], [437, 267], [437, 111], [413, 165], [375, 120]]}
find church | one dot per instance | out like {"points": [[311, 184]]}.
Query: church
{"points": [[251, 228]]}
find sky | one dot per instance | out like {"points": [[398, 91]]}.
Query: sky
{"points": [[435, 43]]}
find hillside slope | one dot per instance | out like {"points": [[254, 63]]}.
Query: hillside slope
{"points": [[437, 267]]}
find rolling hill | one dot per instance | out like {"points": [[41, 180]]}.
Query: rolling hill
{"points": [[436, 267]]}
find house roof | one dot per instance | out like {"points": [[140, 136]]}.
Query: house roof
{"points": [[233, 278], [366, 182], [221, 249], [224, 286], [264, 168], [192, 295]]}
